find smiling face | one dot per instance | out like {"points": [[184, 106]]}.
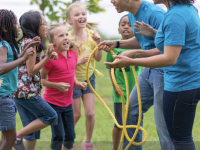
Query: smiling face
{"points": [[43, 28], [125, 28], [60, 39], [78, 17], [120, 5]]}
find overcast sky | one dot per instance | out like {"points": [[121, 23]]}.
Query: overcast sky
{"points": [[108, 20]]}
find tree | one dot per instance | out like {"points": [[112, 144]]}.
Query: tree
{"points": [[55, 9]]}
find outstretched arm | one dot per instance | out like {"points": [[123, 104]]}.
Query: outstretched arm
{"points": [[131, 43], [170, 56]]}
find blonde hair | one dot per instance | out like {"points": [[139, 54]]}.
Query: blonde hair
{"points": [[89, 25], [50, 35]]}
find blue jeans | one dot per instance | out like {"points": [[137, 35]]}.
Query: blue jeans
{"points": [[32, 109], [151, 84], [179, 112], [63, 133]]}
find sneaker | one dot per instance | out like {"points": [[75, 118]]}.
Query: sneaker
{"points": [[87, 146], [19, 145]]}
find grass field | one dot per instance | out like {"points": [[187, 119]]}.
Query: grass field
{"points": [[102, 136]]}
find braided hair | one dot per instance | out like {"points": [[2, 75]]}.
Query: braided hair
{"points": [[30, 23], [182, 2], [7, 20]]}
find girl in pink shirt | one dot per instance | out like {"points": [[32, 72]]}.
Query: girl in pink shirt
{"points": [[59, 86]]}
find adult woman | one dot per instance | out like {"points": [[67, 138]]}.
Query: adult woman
{"points": [[178, 39]]}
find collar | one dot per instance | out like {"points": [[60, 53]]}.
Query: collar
{"points": [[62, 56], [141, 6]]}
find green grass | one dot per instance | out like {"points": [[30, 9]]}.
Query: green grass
{"points": [[104, 124]]}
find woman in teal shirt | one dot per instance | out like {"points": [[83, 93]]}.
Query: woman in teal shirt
{"points": [[178, 39]]}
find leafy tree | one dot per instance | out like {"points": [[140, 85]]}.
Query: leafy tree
{"points": [[55, 9]]}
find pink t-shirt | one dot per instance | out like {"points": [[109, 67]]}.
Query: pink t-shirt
{"points": [[61, 70]]}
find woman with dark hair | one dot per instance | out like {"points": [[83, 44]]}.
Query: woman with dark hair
{"points": [[34, 111], [178, 39]]}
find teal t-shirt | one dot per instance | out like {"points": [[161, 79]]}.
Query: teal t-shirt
{"points": [[120, 77], [8, 81], [181, 27]]}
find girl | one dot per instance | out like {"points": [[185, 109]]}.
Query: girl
{"points": [[81, 33], [179, 42], [34, 111], [59, 86], [9, 61]]}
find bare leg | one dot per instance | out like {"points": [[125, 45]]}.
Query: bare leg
{"points": [[64, 148], [32, 127], [1, 140], [88, 102], [116, 135], [30, 145], [8, 141], [76, 109]]}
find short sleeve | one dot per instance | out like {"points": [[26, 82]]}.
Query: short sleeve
{"points": [[109, 58], [174, 29], [155, 19], [48, 65]]}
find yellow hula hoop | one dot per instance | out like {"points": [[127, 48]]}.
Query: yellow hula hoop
{"points": [[124, 127]]}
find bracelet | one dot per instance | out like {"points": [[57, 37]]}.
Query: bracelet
{"points": [[117, 44]]}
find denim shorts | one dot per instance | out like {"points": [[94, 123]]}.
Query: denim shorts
{"points": [[35, 108], [79, 92], [7, 113], [63, 132]]}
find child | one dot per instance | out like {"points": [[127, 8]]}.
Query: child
{"points": [[59, 86], [34, 111], [76, 15], [126, 32], [9, 62]]}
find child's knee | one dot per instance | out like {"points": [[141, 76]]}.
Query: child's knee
{"points": [[90, 115], [77, 116]]}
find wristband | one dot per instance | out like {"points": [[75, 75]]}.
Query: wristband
{"points": [[117, 44]]}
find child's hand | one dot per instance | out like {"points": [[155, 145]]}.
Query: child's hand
{"points": [[63, 87], [116, 92], [49, 50], [81, 85], [54, 56], [96, 37], [28, 52], [85, 59]]}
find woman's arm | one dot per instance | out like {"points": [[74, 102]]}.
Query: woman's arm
{"points": [[170, 56], [140, 53], [7, 67]]}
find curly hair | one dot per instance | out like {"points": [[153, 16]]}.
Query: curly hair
{"points": [[182, 2], [7, 19]]}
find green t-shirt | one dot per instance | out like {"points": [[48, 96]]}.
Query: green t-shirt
{"points": [[120, 77]]}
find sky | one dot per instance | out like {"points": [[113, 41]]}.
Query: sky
{"points": [[108, 20]]}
